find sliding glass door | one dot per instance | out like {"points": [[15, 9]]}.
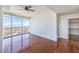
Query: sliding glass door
{"points": [[15, 33]]}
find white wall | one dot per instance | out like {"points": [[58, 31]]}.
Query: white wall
{"points": [[45, 25], [0, 29], [64, 25]]}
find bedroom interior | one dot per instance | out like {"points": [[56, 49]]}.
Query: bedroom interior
{"points": [[40, 28]]}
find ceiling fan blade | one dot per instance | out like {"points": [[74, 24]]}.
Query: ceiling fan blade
{"points": [[29, 6], [31, 10]]}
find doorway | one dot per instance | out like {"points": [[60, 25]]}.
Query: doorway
{"points": [[74, 29]]}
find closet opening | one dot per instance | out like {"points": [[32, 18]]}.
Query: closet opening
{"points": [[74, 29]]}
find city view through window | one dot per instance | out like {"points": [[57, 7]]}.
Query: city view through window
{"points": [[15, 30], [13, 25]]}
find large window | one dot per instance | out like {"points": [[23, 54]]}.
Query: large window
{"points": [[15, 29], [13, 25]]}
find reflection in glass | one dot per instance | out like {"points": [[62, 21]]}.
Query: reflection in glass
{"points": [[25, 41], [7, 45], [16, 43]]}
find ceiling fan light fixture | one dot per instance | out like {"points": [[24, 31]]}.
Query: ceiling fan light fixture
{"points": [[27, 8]]}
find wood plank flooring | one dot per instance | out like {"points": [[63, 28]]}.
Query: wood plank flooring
{"points": [[74, 43], [42, 45]]}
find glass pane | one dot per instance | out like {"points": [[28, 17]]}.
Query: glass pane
{"points": [[26, 25], [25, 36], [7, 45], [7, 33], [16, 25], [6, 26], [16, 33], [25, 40], [16, 43]]}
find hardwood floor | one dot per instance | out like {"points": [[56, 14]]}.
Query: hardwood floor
{"points": [[74, 43], [42, 45]]}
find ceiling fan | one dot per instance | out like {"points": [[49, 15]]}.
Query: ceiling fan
{"points": [[28, 8]]}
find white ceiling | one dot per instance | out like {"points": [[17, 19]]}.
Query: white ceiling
{"points": [[60, 9], [64, 9], [19, 10]]}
